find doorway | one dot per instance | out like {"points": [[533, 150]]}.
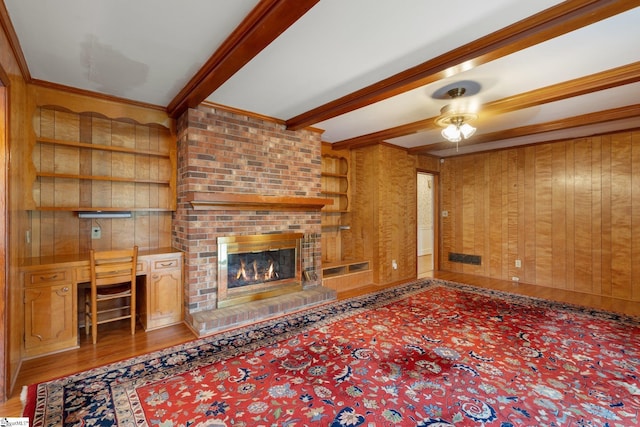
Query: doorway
{"points": [[426, 223]]}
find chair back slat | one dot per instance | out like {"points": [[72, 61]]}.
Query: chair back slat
{"points": [[113, 267]]}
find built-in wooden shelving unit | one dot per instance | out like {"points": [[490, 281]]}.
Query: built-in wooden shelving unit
{"points": [[337, 272], [335, 182], [79, 176], [345, 275]]}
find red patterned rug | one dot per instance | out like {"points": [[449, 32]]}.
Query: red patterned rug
{"points": [[423, 354]]}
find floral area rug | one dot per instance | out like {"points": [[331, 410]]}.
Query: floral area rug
{"points": [[428, 353]]}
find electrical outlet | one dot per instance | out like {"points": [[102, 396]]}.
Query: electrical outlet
{"points": [[518, 263], [445, 214], [394, 264], [96, 232]]}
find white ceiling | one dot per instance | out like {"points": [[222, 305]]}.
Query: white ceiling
{"points": [[149, 50]]}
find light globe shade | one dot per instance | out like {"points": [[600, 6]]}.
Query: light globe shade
{"points": [[467, 130], [452, 133]]}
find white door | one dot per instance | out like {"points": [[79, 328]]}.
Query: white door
{"points": [[425, 222]]}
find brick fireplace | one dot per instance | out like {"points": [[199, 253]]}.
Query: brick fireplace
{"points": [[240, 176]]}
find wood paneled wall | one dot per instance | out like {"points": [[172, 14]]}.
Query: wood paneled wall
{"points": [[570, 211], [16, 131], [383, 215]]}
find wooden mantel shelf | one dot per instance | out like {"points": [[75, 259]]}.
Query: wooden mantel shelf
{"points": [[218, 201]]}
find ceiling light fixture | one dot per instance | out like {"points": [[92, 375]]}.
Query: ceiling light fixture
{"points": [[455, 120]]}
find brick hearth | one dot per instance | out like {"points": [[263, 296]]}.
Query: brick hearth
{"points": [[211, 321]]}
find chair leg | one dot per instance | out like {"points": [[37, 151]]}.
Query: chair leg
{"points": [[132, 310], [87, 319], [94, 317]]}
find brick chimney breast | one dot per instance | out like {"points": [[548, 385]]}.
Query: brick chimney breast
{"points": [[221, 151]]}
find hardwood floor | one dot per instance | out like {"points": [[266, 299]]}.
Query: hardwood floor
{"points": [[114, 342]]}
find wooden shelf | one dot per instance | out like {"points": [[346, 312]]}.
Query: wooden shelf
{"points": [[343, 267], [340, 202], [112, 148], [100, 209], [334, 175], [102, 178], [345, 275]]}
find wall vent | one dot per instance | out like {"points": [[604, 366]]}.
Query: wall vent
{"points": [[465, 258]]}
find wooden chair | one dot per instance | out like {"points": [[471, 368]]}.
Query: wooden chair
{"points": [[113, 277]]}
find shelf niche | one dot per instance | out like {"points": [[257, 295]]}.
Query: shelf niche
{"points": [[335, 185], [86, 162], [335, 181]]}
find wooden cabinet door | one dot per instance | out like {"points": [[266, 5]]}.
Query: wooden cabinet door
{"points": [[50, 323], [163, 291]]}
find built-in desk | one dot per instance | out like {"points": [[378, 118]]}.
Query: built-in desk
{"points": [[50, 285]]}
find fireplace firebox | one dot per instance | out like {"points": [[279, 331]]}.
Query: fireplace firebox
{"points": [[256, 267]]}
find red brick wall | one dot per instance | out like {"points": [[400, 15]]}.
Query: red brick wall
{"points": [[223, 151]]}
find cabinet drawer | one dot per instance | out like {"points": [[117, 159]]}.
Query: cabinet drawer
{"points": [[165, 264], [141, 267], [83, 274], [48, 277]]}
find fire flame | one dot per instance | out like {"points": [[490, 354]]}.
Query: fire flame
{"points": [[270, 272], [242, 272]]}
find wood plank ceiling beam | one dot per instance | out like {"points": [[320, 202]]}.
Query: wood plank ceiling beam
{"points": [[619, 76], [14, 43], [555, 21], [263, 24], [620, 113]]}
